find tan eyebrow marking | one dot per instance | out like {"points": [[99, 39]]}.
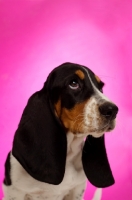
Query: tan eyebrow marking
{"points": [[97, 78], [80, 74]]}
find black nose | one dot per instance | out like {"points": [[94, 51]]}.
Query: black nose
{"points": [[108, 110]]}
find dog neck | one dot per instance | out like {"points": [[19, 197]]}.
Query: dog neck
{"points": [[74, 145]]}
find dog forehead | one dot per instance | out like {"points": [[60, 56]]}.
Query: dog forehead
{"points": [[88, 75], [68, 69]]}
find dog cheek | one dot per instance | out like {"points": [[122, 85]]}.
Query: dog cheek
{"points": [[93, 119], [73, 119]]}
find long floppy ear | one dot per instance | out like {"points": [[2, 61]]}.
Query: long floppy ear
{"points": [[95, 162], [40, 141]]}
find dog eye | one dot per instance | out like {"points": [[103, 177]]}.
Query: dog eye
{"points": [[74, 85]]}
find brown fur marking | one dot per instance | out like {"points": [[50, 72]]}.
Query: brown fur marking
{"points": [[72, 119], [80, 74], [97, 78]]}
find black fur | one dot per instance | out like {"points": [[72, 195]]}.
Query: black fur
{"points": [[95, 162], [40, 141]]}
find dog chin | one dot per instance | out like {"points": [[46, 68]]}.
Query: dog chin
{"points": [[97, 135]]}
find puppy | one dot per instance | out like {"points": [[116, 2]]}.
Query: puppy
{"points": [[59, 142]]}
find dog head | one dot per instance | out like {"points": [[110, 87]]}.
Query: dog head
{"points": [[72, 100], [77, 95]]}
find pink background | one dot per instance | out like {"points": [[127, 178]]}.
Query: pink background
{"points": [[38, 35]]}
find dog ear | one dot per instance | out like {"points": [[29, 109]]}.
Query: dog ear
{"points": [[95, 162], [40, 143]]}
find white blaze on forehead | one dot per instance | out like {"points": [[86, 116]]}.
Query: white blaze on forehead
{"points": [[97, 92]]}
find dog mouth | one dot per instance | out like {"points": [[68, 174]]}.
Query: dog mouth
{"points": [[109, 126], [99, 131]]}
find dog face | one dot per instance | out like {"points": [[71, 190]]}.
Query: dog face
{"points": [[79, 101]]}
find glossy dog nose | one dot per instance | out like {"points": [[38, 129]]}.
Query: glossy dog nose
{"points": [[108, 110]]}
